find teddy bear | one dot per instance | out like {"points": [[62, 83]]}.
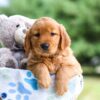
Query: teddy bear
{"points": [[8, 26], [12, 57], [12, 34]]}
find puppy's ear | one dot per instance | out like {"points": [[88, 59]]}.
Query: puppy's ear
{"points": [[27, 43], [65, 40]]}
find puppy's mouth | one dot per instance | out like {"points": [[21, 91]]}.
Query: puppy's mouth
{"points": [[44, 53], [45, 49]]}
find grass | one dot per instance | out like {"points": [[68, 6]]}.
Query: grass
{"points": [[91, 89]]}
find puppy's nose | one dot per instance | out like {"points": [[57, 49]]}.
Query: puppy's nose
{"points": [[45, 46]]}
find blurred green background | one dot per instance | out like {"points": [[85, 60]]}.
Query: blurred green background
{"points": [[82, 21]]}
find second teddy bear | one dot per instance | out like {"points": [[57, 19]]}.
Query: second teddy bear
{"points": [[12, 34], [7, 59]]}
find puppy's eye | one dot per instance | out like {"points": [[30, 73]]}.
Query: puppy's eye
{"points": [[37, 35], [52, 33]]}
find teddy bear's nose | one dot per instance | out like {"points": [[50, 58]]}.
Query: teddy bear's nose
{"points": [[24, 30], [44, 46]]}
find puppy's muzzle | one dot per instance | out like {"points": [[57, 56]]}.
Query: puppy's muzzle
{"points": [[44, 46]]}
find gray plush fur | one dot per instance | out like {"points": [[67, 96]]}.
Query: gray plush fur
{"points": [[8, 27], [13, 55], [7, 59]]}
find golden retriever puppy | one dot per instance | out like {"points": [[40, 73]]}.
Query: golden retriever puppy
{"points": [[47, 45]]}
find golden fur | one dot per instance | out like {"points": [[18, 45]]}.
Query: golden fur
{"points": [[58, 59]]}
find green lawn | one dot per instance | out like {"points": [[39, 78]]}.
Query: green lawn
{"points": [[91, 89]]}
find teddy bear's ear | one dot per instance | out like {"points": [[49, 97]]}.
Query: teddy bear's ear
{"points": [[65, 40], [27, 42]]}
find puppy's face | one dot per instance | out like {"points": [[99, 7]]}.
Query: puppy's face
{"points": [[45, 37]]}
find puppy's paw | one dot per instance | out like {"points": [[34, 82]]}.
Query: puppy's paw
{"points": [[44, 82], [61, 89]]}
